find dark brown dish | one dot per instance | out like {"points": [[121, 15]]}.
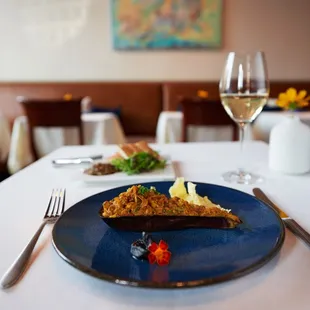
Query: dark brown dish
{"points": [[142, 209], [101, 169]]}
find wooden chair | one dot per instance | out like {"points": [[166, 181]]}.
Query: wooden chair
{"points": [[203, 112], [52, 113]]}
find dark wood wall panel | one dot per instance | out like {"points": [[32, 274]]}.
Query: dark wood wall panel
{"points": [[140, 103], [173, 91]]}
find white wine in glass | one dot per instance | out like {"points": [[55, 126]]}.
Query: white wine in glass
{"points": [[244, 90]]}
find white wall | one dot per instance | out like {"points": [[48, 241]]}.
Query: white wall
{"points": [[81, 50]]}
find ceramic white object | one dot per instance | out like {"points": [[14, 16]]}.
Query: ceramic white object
{"points": [[289, 146]]}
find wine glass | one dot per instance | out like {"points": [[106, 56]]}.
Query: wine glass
{"points": [[244, 90]]}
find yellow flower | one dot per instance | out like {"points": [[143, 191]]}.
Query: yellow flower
{"points": [[67, 97], [202, 93], [291, 100]]}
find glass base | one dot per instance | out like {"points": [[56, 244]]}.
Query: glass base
{"points": [[242, 177]]}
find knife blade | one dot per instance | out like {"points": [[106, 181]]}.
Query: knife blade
{"points": [[291, 224], [75, 160]]}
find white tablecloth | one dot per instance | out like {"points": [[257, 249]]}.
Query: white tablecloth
{"points": [[5, 138], [99, 128], [50, 283], [169, 127], [169, 130]]}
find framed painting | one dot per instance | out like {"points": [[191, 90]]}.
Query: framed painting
{"points": [[166, 24]]}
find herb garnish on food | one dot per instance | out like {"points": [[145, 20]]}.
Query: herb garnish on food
{"points": [[137, 163], [143, 190]]}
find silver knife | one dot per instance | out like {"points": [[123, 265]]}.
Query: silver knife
{"points": [[75, 160], [292, 225]]}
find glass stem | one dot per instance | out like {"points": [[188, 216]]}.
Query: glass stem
{"points": [[242, 128]]}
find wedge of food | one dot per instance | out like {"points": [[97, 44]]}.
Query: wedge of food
{"points": [[135, 158], [127, 150], [144, 209]]}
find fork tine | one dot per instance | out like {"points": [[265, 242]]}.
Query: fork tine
{"points": [[56, 198], [63, 201], [59, 205], [56, 203], [49, 204]]}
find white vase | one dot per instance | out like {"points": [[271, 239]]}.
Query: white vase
{"points": [[289, 146]]}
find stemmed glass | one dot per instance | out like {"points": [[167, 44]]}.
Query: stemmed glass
{"points": [[244, 90]]}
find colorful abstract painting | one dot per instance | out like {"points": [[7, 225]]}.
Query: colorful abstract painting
{"points": [[166, 24]]}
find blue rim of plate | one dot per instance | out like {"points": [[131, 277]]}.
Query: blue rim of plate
{"points": [[180, 284]]}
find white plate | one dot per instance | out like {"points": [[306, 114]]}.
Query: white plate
{"points": [[167, 173]]}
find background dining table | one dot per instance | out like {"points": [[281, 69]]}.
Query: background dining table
{"points": [[51, 283], [169, 127], [98, 128]]}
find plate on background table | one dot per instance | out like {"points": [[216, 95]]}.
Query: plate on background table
{"points": [[199, 256], [164, 174]]}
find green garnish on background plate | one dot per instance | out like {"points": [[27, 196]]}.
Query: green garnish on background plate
{"points": [[137, 163]]}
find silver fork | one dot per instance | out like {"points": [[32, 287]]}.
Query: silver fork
{"points": [[54, 209]]}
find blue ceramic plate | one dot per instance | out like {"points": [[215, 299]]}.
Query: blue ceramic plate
{"points": [[199, 256]]}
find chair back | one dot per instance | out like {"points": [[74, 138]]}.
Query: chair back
{"points": [[203, 112], [52, 113]]}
